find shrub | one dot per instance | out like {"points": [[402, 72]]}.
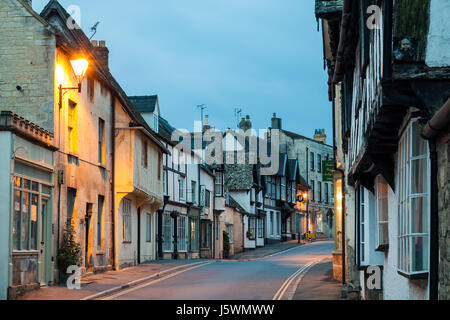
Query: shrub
{"points": [[226, 244], [70, 250]]}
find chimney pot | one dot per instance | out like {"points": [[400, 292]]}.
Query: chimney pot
{"points": [[94, 43], [102, 43]]}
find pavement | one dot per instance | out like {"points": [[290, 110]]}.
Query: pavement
{"points": [[318, 284], [284, 271]]}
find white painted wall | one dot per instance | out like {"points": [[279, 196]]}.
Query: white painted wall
{"points": [[438, 46], [395, 286]]}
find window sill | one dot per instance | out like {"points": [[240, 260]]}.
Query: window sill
{"points": [[25, 253], [102, 166], [415, 276], [100, 253], [382, 248], [73, 155]]}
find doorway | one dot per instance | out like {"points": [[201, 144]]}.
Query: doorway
{"points": [[87, 252], [43, 241]]}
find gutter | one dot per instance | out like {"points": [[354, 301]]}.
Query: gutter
{"points": [[113, 182], [431, 131], [438, 123]]}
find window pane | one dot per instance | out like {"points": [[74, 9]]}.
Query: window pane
{"points": [[419, 146], [420, 254], [383, 235], [46, 189], [383, 209], [419, 176], [16, 222], [26, 184], [419, 217], [24, 225], [35, 186], [33, 219]]}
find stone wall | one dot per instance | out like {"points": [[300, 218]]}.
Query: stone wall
{"points": [[443, 153], [27, 51]]}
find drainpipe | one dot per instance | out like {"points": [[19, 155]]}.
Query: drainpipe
{"points": [[113, 181], [432, 129]]}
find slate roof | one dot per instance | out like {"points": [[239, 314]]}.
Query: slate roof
{"points": [[238, 176], [234, 204], [298, 136], [144, 103]]}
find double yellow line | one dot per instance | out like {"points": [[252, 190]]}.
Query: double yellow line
{"points": [[280, 293]]}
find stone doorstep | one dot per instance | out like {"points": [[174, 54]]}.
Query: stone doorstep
{"points": [[15, 292]]}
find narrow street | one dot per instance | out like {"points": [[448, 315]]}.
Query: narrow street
{"points": [[274, 277]]}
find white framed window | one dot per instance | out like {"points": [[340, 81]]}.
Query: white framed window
{"points": [[148, 227], [413, 209], [126, 221], [381, 209], [182, 188], [362, 225], [260, 229], [165, 182], [218, 189], [194, 192], [230, 232], [182, 233], [167, 227]]}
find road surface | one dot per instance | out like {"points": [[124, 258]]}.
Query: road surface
{"points": [[274, 277]]}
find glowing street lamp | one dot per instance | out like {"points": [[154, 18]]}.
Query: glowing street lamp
{"points": [[79, 67]]}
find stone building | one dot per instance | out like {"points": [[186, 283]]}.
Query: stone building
{"points": [[27, 193], [311, 154], [388, 81]]}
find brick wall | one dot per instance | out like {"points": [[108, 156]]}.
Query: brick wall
{"points": [[443, 152], [27, 55]]}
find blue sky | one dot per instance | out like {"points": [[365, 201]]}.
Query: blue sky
{"points": [[262, 56]]}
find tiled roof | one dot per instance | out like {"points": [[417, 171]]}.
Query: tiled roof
{"points": [[144, 103]]}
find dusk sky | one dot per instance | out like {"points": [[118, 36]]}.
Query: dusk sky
{"points": [[262, 56]]}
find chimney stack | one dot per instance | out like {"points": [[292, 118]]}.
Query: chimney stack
{"points": [[102, 53], [245, 123], [320, 136], [276, 122], [206, 125]]}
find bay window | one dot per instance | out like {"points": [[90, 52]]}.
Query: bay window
{"points": [[413, 209]]}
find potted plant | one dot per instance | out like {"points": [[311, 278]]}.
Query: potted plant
{"points": [[249, 234], [226, 245], [69, 252]]}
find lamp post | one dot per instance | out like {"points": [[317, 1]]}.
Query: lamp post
{"points": [[79, 67]]}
